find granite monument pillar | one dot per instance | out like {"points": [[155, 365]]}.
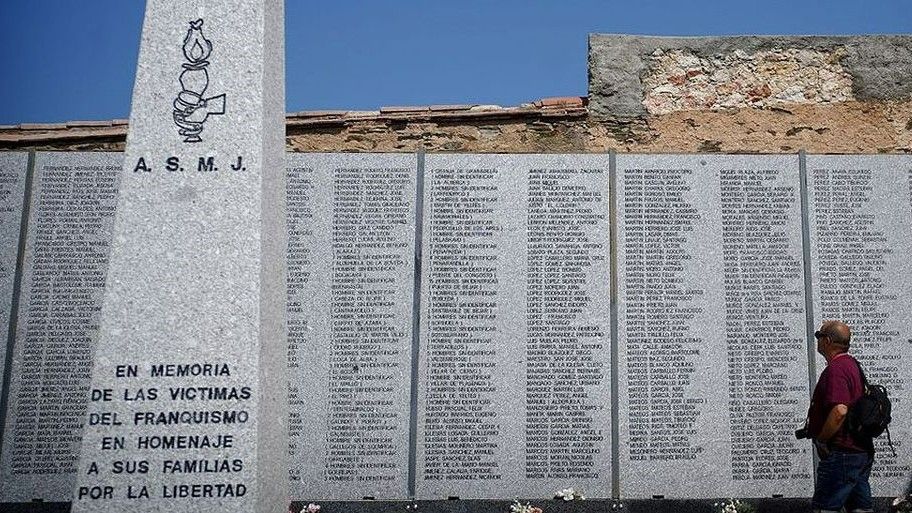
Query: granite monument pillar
{"points": [[187, 404]]}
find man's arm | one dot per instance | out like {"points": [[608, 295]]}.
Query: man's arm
{"points": [[833, 422]]}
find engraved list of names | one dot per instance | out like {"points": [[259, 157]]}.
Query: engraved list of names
{"points": [[514, 367], [13, 168], [351, 221], [861, 243], [712, 367], [74, 197]]}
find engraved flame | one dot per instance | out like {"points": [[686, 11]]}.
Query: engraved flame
{"points": [[196, 46]]}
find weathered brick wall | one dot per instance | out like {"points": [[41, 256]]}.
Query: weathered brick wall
{"points": [[681, 80], [646, 95], [756, 94]]}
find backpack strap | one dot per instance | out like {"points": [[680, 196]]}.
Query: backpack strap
{"points": [[890, 443], [864, 379]]}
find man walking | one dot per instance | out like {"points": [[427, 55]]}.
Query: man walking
{"points": [[845, 463]]}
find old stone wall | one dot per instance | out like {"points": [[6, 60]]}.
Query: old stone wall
{"points": [[646, 95]]}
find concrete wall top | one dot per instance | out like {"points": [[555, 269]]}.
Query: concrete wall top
{"points": [[631, 76]]}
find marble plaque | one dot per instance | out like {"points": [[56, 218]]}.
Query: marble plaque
{"points": [[712, 364], [72, 204], [514, 367], [188, 398], [861, 246], [13, 168], [351, 263]]}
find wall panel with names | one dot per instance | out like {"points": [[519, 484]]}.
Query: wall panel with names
{"points": [[514, 366], [74, 196], [861, 243], [13, 168], [712, 357], [351, 233]]}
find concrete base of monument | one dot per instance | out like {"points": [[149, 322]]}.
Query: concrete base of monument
{"points": [[771, 505], [767, 505]]}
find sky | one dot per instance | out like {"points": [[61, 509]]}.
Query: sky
{"points": [[75, 59]]}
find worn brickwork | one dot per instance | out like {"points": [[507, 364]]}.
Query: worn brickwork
{"points": [[743, 72], [646, 95], [844, 127]]}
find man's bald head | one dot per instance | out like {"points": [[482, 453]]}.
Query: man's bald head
{"points": [[838, 332]]}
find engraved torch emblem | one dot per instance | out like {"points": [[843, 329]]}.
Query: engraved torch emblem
{"points": [[191, 108]]}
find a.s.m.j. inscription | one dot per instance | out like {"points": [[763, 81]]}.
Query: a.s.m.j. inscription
{"points": [[195, 164]]}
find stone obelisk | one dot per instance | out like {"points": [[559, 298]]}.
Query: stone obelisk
{"points": [[187, 409]]}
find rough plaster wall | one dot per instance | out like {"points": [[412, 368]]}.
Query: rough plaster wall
{"points": [[850, 127], [625, 70], [88, 144], [680, 80], [494, 137], [847, 127]]}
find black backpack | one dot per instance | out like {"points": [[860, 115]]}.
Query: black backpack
{"points": [[869, 417]]}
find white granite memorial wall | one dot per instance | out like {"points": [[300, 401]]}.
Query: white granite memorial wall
{"points": [[449, 326], [711, 326], [861, 248], [514, 371]]}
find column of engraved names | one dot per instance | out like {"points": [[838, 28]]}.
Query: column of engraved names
{"points": [[299, 194], [12, 183], [461, 432], [897, 469], [852, 254], [763, 280], [366, 342], [562, 439], [73, 207], [658, 223]]}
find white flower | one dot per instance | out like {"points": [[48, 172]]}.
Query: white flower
{"points": [[728, 506], [518, 507], [569, 494], [311, 508]]}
